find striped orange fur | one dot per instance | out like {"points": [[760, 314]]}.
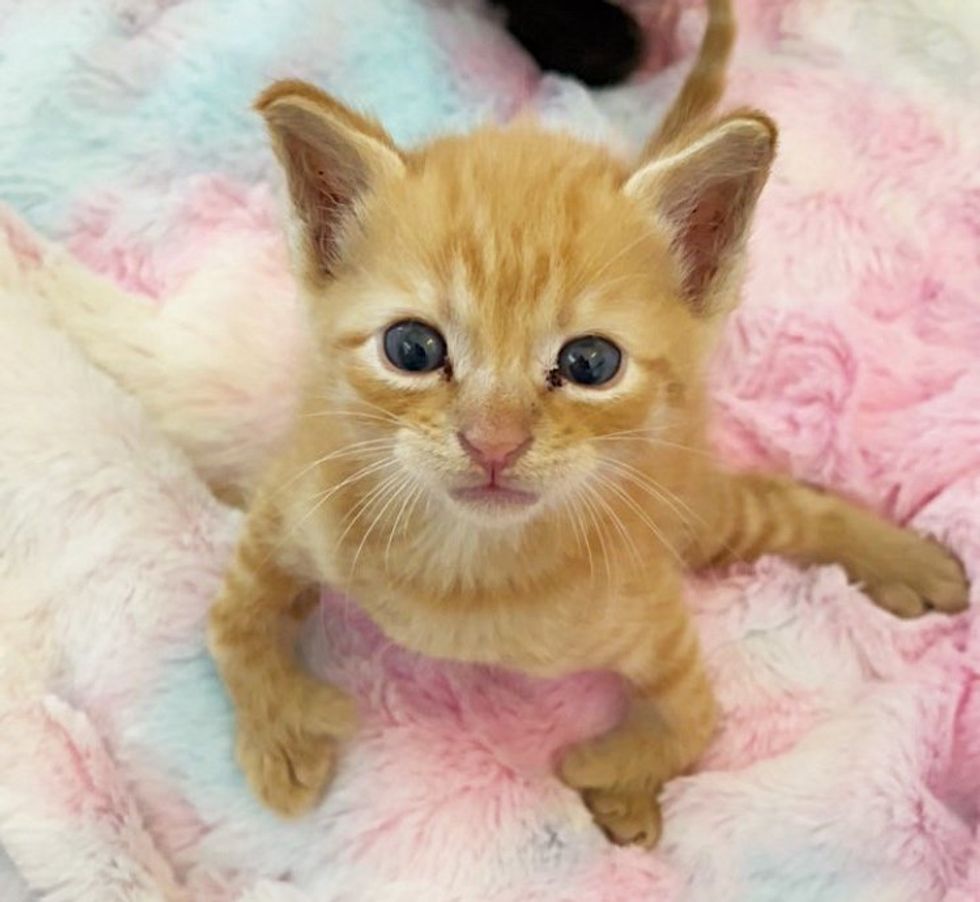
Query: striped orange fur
{"points": [[510, 242]]}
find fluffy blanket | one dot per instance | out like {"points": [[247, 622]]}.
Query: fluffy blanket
{"points": [[848, 767]]}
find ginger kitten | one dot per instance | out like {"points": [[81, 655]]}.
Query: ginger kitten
{"points": [[501, 453]]}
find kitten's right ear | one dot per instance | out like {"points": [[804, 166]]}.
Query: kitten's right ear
{"points": [[333, 158]]}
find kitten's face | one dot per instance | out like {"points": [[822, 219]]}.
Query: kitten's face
{"points": [[512, 312], [506, 318]]}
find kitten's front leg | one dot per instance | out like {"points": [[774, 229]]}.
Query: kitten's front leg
{"points": [[287, 722], [749, 515], [669, 721]]}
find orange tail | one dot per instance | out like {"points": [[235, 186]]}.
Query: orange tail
{"points": [[705, 83]]}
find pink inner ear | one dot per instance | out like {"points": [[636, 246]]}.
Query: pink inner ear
{"points": [[323, 181], [706, 234], [324, 210]]}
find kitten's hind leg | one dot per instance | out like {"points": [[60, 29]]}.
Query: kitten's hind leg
{"points": [[905, 573]]}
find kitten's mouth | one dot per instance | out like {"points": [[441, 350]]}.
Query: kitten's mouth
{"points": [[493, 493]]}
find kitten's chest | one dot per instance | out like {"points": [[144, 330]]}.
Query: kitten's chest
{"points": [[568, 621], [543, 636]]}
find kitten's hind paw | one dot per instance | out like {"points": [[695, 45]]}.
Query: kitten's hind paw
{"points": [[627, 817]]}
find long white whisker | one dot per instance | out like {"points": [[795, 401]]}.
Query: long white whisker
{"points": [[642, 514], [356, 415], [580, 534], [609, 262], [621, 528], [409, 497], [597, 524], [393, 495], [662, 493], [650, 485], [354, 514], [367, 446], [636, 435], [322, 497], [377, 408]]}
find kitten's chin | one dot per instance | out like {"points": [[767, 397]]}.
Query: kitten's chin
{"points": [[495, 505]]}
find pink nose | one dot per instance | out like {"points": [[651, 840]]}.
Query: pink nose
{"points": [[495, 450]]}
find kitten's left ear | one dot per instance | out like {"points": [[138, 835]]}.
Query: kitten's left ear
{"points": [[704, 195], [334, 159]]}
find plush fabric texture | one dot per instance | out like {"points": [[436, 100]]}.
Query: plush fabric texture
{"points": [[848, 766]]}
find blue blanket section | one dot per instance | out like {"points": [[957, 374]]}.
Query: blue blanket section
{"points": [[100, 98], [186, 728]]}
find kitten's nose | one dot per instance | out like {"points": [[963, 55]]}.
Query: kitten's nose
{"points": [[494, 448]]}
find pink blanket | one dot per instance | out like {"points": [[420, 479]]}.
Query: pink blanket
{"points": [[848, 766]]}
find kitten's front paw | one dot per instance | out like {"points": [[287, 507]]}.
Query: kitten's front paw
{"points": [[920, 576], [621, 796], [289, 759], [626, 816]]}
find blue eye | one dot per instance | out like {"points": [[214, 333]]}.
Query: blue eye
{"points": [[414, 347], [589, 360]]}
